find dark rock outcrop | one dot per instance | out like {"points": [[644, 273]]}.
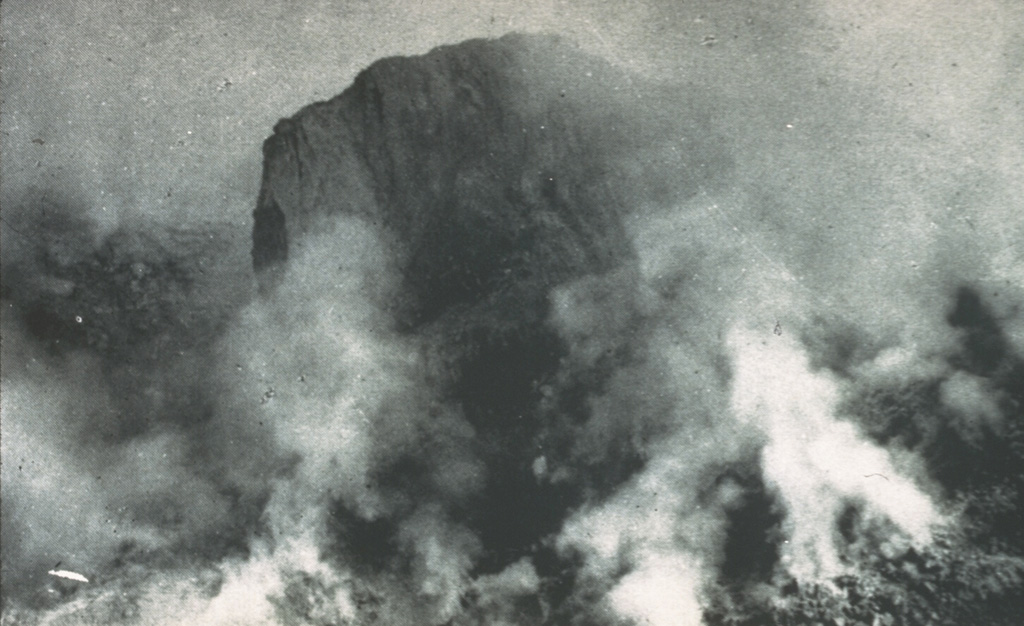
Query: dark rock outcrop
{"points": [[495, 169], [486, 160]]}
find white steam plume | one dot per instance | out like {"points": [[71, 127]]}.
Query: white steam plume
{"points": [[340, 396], [817, 463]]}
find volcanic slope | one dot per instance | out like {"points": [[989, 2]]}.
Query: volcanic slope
{"points": [[494, 171]]}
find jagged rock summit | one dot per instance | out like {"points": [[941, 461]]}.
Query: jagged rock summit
{"points": [[496, 170], [487, 161]]}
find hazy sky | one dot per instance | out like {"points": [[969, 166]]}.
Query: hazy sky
{"points": [[160, 107], [138, 100]]}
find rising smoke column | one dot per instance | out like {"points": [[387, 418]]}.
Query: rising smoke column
{"points": [[817, 463]]}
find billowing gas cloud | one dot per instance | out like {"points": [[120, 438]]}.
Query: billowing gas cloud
{"points": [[765, 319]]}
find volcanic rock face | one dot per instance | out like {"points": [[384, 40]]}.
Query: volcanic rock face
{"points": [[484, 160], [485, 165]]}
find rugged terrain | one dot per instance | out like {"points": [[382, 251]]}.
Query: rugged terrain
{"points": [[520, 354]]}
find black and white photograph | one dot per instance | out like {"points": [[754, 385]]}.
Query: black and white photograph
{"points": [[512, 313]]}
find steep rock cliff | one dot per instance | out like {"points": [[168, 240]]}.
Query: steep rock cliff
{"points": [[495, 170], [485, 160]]}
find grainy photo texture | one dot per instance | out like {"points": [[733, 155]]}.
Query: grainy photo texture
{"points": [[506, 313]]}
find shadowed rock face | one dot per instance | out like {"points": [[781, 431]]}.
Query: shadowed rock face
{"points": [[485, 160], [486, 165]]}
